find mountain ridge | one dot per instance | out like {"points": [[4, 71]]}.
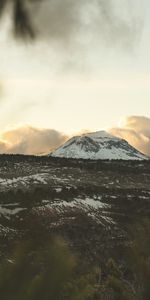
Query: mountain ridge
{"points": [[98, 145]]}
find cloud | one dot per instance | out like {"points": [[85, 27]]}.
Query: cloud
{"points": [[136, 130], [30, 140], [73, 35], [79, 21]]}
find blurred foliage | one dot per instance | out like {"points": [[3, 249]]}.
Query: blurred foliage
{"points": [[48, 270], [45, 273], [21, 19], [138, 257], [132, 281]]}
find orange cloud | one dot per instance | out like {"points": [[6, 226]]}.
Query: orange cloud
{"points": [[30, 140], [136, 130]]}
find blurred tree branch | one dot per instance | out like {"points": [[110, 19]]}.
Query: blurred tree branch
{"points": [[21, 19]]}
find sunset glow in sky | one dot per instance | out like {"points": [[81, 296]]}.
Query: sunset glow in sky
{"points": [[87, 77]]}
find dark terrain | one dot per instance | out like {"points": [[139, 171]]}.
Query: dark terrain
{"points": [[90, 203]]}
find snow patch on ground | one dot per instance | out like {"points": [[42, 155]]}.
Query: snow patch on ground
{"points": [[84, 203], [24, 180], [4, 210]]}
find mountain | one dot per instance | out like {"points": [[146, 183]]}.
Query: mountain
{"points": [[98, 145]]}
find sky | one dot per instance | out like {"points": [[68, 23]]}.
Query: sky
{"points": [[88, 68]]}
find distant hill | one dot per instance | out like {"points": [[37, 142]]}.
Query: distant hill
{"points": [[98, 145]]}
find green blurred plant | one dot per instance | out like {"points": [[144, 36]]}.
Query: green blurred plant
{"points": [[42, 274]]}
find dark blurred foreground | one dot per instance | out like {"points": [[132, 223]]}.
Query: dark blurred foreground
{"points": [[42, 267]]}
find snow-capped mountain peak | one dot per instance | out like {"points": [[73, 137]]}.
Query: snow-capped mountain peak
{"points": [[98, 145]]}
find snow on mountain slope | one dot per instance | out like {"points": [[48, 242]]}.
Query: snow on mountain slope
{"points": [[98, 145]]}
